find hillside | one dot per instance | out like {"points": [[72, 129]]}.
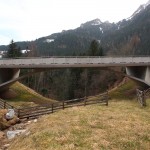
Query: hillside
{"points": [[25, 97], [122, 125]]}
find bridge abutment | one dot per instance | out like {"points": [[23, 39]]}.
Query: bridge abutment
{"points": [[139, 72]]}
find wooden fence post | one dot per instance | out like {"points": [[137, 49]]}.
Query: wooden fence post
{"points": [[107, 99], [18, 113], [4, 104], [52, 108], [85, 101], [141, 97], [63, 105], [144, 99]]}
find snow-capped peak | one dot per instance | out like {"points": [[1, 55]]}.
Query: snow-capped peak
{"points": [[142, 7], [91, 23], [145, 5], [96, 22]]}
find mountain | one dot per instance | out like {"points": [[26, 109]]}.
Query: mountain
{"points": [[132, 37], [141, 8], [127, 37]]}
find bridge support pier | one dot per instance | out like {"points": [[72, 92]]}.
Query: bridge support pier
{"points": [[7, 74]]}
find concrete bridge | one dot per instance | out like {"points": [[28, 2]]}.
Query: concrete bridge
{"points": [[74, 62], [137, 68]]}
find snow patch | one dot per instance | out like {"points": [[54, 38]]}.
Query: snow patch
{"points": [[25, 51], [145, 5], [49, 40], [99, 41], [118, 27], [101, 30], [96, 22], [142, 7]]}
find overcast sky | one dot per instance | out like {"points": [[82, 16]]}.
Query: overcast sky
{"points": [[30, 19]]}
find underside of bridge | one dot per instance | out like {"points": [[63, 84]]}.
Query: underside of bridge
{"points": [[7, 74], [140, 74]]}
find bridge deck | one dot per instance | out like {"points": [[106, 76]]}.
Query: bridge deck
{"points": [[74, 62]]}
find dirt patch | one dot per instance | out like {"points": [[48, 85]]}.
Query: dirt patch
{"points": [[1, 134], [4, 124], [23, 125]]}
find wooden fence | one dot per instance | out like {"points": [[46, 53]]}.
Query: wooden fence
{"points": [[33, 112], [142, 95], [5, 105]]}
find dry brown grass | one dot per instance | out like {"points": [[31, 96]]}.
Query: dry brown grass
{"points": [[123, 125]]}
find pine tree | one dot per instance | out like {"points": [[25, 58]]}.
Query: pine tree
{"points": [[13, 50], [95, 49], [100, 52]]}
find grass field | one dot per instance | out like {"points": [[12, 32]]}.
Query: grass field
{"points": [[122, 125]]}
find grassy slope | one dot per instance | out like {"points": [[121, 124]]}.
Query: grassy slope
{"points": [[27, 97], [122, 125], [127, 90]]}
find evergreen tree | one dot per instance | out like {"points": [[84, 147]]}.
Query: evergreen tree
{"points": [[13, 50], [100, 51], [95, 49]]}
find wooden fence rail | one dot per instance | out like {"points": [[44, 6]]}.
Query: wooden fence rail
{"points": [[5, 105], [33, 112]]}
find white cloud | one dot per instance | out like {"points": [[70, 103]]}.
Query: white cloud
{"points": [[31, 19]]}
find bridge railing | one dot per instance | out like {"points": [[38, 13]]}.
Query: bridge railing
{"points": [[123, 56], [74, 60]]}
